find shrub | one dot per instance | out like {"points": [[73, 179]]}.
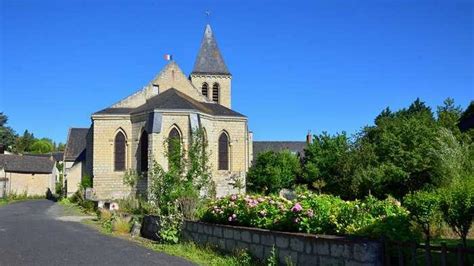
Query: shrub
{"points": [[311, 213], [457, 206], [273, 171], [122, 225], [106, 219]]}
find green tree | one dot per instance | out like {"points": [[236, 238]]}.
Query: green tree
{"points": [[41, 146], [457, 206], [24, 142], [273, 171], [327, 160], [7, 134], [449, 115], [402, 144], [424, 210]]}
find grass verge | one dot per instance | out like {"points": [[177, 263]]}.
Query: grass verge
{"points": [[187, 250]]}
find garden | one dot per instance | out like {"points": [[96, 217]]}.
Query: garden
{"points": [[408, 179]]}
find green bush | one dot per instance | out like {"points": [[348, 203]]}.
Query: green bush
{"points": [[311, 213], [273, 171]]}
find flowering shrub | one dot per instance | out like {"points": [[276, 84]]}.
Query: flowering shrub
{"points": [[311, 213]]}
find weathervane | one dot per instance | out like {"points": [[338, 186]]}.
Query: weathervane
{"points": [[208, 14]]}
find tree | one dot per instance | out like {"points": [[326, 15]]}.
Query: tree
{"points": [[449, 115], [23, 143], [457, 206], [402, 144], [326, 160], [273, 171], [7, 134], [41, 146], [424, 210]]}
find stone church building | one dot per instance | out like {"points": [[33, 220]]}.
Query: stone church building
{"points": [[132, 133]]}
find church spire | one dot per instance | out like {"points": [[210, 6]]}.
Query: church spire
{"points": [[209, 59]]}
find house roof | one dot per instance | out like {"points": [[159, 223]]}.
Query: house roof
{"points": [[173, 99], [55, 156], [76, 143], [26, 164], [209, 59], [276, 146]]}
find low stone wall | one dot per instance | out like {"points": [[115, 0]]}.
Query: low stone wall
{"points": [[301, 249]]}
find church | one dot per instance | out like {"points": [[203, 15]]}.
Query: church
{"points": [[132, 133]]}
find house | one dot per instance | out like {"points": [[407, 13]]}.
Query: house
{"points": [[133, 133], [75, 159], [32, 175]]}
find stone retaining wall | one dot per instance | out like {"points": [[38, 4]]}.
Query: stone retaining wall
{"points": [[301, 249]]}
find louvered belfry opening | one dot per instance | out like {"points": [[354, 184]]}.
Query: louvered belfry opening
{"points": [[205, 89], [144, 152], [215, 92], [223, 152], [119, 152]]}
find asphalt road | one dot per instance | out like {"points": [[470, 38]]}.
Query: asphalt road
{"points": [[32, 233]]}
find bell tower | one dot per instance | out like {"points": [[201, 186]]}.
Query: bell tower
{"points": [[210, 74]]}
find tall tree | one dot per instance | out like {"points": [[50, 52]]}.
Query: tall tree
{"points": [[7, 134], [24, 143]]}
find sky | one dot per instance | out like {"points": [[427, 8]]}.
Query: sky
{"points": [[296, 65]]}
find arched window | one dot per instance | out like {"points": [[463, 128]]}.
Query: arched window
{"points": [[174, 146], [143, 164], [205, 88], [215, 92], [223, 152], [119, 152]]}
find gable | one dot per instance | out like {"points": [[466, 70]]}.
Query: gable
{"points": [[171, 76]]}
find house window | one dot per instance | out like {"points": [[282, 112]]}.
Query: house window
{"points": [[143, 152], [223, 152], [205, 88], [119, 152], [174, 147], [215, 92]]}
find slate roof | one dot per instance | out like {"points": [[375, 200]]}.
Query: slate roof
{"points": [[173, 99], [26, 164], [58, 156], [276, 146], [76, 143], [209, 59]]}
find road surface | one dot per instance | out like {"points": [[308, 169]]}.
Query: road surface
{"points": [[37, 233]]}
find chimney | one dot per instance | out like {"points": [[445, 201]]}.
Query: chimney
{"points": [[2, 149], [309, 137]]}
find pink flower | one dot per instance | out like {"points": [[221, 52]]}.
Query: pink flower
{"points": [[261, 200], [310, 213], [296, 208], [262, 213], [233, 197], [233, 217]]}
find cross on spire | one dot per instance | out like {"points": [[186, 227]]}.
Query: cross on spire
{"points": [[208, 15]]}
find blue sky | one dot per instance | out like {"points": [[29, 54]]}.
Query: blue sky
{"points": [[296, 65]]}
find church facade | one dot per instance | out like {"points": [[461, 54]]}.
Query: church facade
{"points": [[132, 133]]}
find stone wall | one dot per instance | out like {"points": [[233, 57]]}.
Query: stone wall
{"points": [[31, 184], [301, 249]]}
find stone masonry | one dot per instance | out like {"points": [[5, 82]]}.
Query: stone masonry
{"points": [[301, 249]]}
